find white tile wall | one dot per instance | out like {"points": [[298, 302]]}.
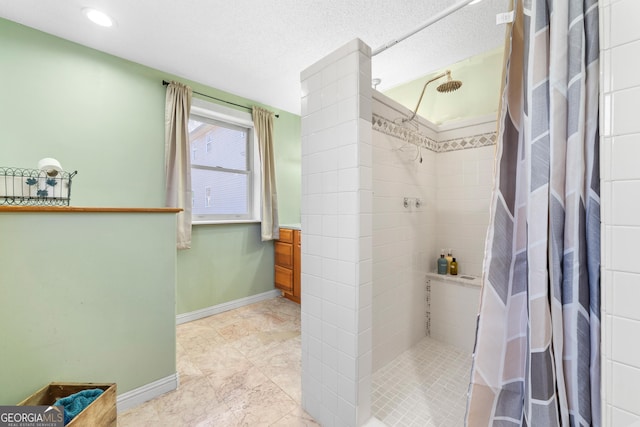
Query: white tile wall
{"points": [[454, 188], [620, 191], [625, 76], [402, 244], [454, 309], [464, 183], [336, 249]]}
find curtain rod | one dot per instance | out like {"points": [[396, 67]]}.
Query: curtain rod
{"points": [[448, 11], [166, 83]]}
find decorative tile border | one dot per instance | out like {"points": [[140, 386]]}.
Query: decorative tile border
{"points": [[473, 141], [397, 130], [412, 136]]}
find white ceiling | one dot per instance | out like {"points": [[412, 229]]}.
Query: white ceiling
{"points": [[257, 48]]}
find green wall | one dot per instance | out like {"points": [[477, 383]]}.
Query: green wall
{"points": [[207, 272], [86, 297], [104, 116], [479, 95]]}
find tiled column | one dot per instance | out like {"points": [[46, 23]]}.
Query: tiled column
{"points": [[336, 244], [620, 212]]}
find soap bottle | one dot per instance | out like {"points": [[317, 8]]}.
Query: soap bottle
{"points": [[453, 267], [449, 258], [443, 265]]}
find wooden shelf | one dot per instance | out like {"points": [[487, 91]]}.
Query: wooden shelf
{"points": [[79, 209]]}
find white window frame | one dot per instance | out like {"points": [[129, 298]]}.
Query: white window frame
{"points": [[201, 108]]}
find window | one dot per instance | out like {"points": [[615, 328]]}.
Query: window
{"points": [[209, 142], [223, 166], [207, 197]]}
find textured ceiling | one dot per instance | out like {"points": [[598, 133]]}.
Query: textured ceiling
{"points": [[257, 48]]}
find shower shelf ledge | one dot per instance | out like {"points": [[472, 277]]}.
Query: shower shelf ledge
{"points": [[463, 279]]}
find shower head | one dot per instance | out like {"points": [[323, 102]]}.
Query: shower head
{"points": [[449, 86]]}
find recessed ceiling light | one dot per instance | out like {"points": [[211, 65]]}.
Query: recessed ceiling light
{"points": [[475, 2], [97, 17]]}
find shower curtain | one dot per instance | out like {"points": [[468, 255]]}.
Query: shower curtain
{"points": [[537, 356]]}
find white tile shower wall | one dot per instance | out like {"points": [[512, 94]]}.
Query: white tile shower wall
{"points": [[454, 309], [620, 186], [402, 249], [464, 181], [457, 184], [336, 250]]}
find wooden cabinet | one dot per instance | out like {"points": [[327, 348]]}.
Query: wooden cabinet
{"points": [[287, 263]]}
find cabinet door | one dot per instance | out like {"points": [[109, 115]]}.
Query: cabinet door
{"points": [[286, 235], [284, 278], [283, 253]]}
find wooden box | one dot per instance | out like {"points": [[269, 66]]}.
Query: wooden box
{"points": [[100, 413]]}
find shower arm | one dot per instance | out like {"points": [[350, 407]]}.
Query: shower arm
{"points": [[439, 76]]}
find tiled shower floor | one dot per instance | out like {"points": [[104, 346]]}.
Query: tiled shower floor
{"points": [[426, 386]]}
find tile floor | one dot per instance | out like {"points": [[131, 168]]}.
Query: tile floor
{"points": [[426, 386], [242, 368], [237, 368]]}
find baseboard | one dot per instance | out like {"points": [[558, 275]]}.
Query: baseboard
{"points": [[147, 392], [226, 306]]}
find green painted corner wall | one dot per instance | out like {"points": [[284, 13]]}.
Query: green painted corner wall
{"points": [[104, 116], [86, 297], [208, 274], [479, 95]]}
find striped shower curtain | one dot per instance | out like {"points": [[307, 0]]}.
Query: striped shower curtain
{"points": [[537, 356]]}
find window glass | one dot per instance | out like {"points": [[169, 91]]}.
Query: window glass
{"points": [[221, 173], [222, 193]]}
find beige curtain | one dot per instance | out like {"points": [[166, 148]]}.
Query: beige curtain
{"points": [[263, 123], [177, 160]]}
